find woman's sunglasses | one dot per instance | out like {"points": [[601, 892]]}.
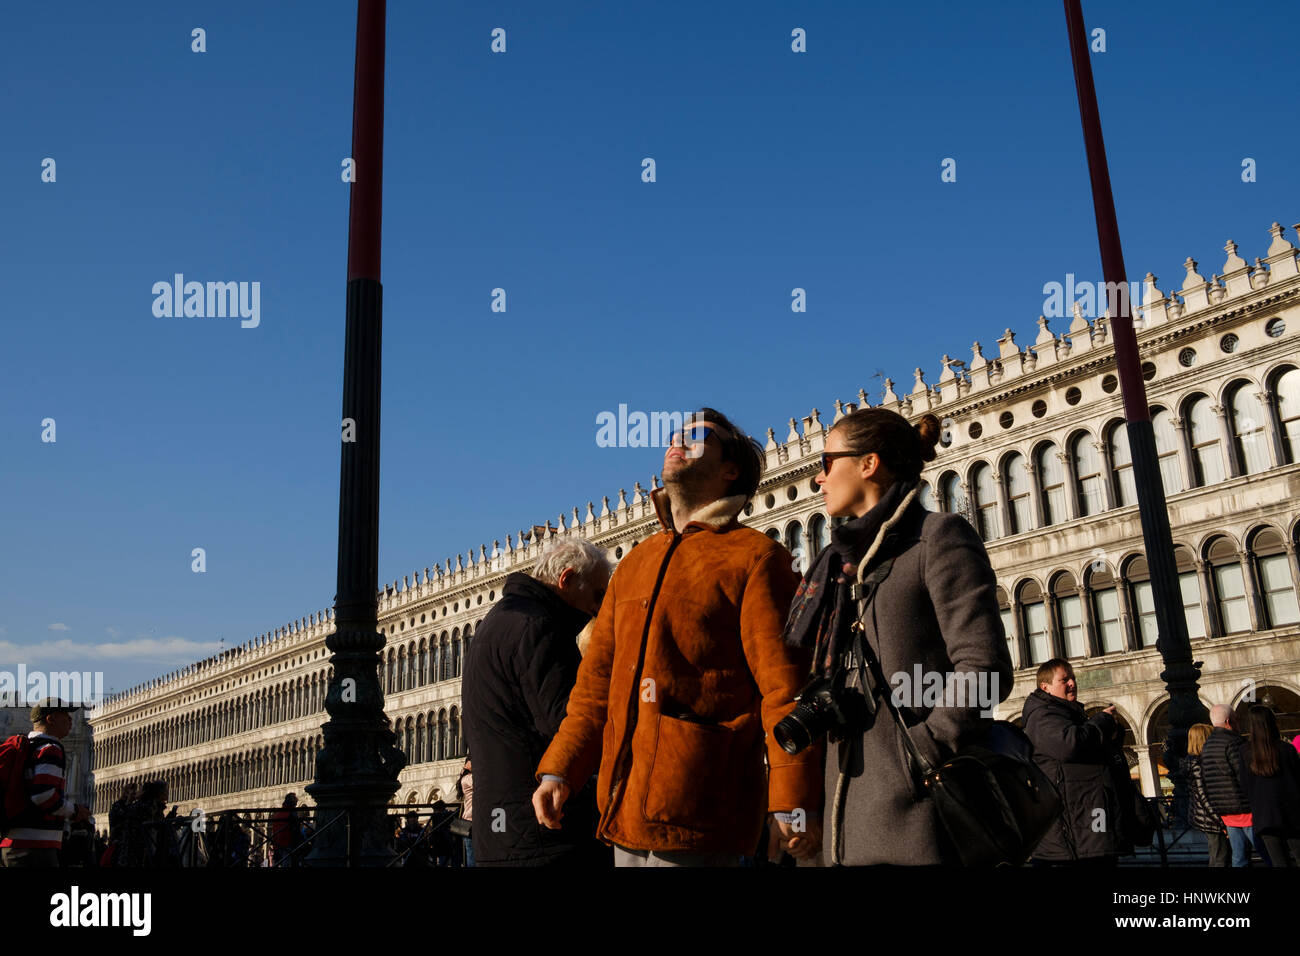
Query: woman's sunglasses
{"points": [[830, 456]]}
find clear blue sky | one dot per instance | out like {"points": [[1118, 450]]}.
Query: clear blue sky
{"points": [[522, 171]]}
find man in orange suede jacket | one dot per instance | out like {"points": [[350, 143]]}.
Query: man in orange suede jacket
{"points": [[687, 675]]}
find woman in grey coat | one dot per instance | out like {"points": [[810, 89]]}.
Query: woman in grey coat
{"points": [[933, 624]]}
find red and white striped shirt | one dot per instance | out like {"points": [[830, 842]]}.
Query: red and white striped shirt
{"points": [[40, 824]]}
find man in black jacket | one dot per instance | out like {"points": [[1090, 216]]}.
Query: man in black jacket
{"points": [[519, 671], [1077, 754], [1223, 764]]}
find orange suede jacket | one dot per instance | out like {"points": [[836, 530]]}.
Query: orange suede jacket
{"points": [[685, 674]]}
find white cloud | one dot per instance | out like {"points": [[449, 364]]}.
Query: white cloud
{"points": [[160, 650], [113, 632], [59, 626]]}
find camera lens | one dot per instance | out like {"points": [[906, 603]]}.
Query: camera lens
{"points": [[793, 732]]}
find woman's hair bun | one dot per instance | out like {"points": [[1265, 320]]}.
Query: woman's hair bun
{"points": [[928, 431]]}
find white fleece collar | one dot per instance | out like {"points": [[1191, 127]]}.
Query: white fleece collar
{"points": [[716, 514], [896, 517]]}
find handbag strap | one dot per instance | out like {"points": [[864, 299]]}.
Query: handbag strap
{"points": [[865, 593]]}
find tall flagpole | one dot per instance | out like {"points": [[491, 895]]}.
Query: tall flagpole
{"points": [[1180, 674], [356, 771]]}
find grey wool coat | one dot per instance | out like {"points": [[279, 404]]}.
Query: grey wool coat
{"points": [[936, 613]]}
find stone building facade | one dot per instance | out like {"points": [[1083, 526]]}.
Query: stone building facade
{"points": [[1034, 454]]}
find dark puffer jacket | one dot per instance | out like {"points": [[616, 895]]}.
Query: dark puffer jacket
{"points": [[1076, 753], [1223, 760], [1202, 813]]}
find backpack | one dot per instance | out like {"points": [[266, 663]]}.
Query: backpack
{"points": [[13, 786]]}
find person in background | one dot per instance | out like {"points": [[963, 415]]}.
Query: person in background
{"points": [[1202, 812], [1223, 762], [1273, 785], [35, 834], [518, 675], [465, 791]]}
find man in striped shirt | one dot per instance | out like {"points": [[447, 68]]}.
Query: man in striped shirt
{"points": [[36, 834]]}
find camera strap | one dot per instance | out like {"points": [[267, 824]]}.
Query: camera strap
{"points": [[865, 593]]}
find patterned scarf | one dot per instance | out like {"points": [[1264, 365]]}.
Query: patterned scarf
{"points": [[823, 610]]}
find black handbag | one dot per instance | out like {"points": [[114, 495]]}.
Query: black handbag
{"points": [[995, 803]]}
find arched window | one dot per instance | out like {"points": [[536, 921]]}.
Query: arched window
{"points": [[1051, 477], [926, 497], [1207, 458], [1189, 584], [1069, 614], [794, 540], [434, 659], [1275, 584], [442, 736], [1138, 576], [954, 499], [1033, 620], [1105, 611], [987, 519], [418, 755], [455, 652], [424, 661], [1087, 475], [446, 656], [1229, 587], [1171, 475], [1121, 462], [453, 733], [1248, 434], [773, 533], [1017, 476], [1286, 387], [818, 532]]}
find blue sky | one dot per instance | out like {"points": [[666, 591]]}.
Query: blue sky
{"points": [[522, 171]]}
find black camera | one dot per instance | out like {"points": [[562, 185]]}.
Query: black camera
{"points": [[828, 705]]}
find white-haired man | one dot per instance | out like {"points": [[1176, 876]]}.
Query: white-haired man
{"points": [[1224, 765], [519, 670]]}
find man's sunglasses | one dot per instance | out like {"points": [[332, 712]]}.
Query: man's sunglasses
{"points": [[691, 435]]}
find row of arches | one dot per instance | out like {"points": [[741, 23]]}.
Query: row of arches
{"points": [[287, 764], [1227, 588], [431, 736], [1198, 443], [427, 661], [287, 700]]}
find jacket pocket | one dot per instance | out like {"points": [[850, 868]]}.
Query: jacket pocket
{"points": [[691, 772]]}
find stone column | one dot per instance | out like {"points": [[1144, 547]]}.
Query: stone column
{"points": [[1254, 602], [1208, 598], [1127, 621], [1184, 452], [1069, 486], [1091, 639], [1272, 436], [1035, 495], [1231, 466], [1004, 510], [1020, 643], [1109, 498]]}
